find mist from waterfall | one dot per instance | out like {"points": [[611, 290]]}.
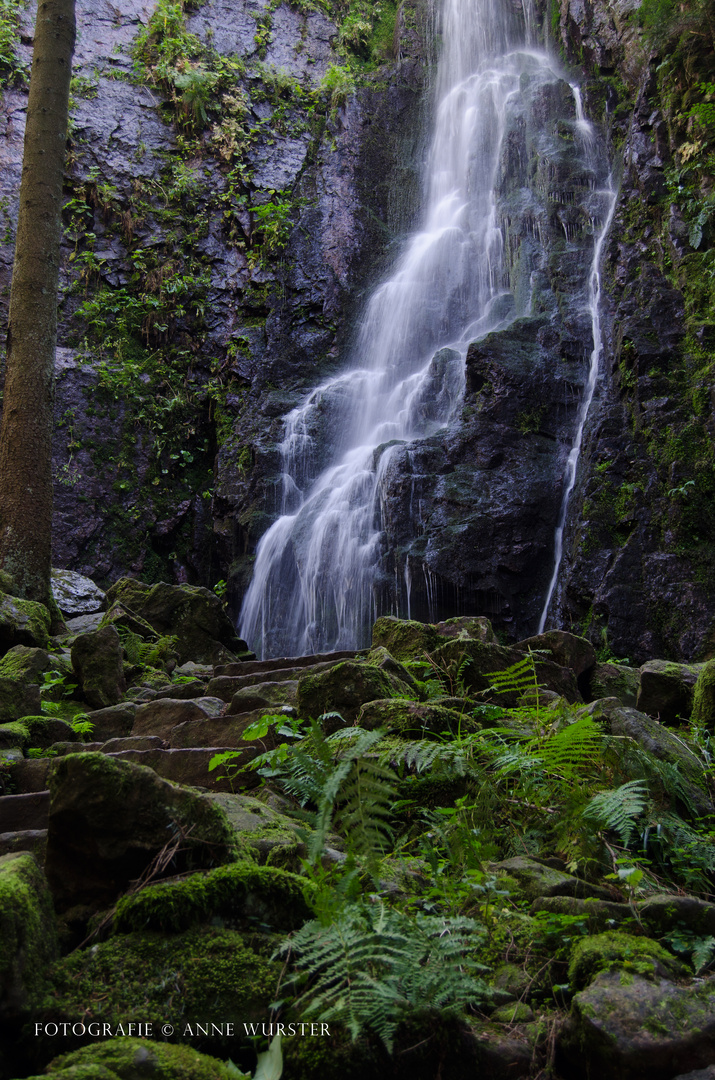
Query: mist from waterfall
{"points": [[317, 578]]}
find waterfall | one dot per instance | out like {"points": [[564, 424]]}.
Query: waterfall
{"points": [[319, 579], [594, 296]]}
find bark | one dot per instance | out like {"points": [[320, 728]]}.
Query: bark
{"points": [[26, 432]]}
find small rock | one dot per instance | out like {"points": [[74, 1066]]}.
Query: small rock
{"points": [[666, 690]]}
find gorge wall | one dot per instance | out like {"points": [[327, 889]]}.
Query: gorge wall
{"points": [[241, 176]]}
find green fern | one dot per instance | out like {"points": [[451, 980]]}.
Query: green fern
{"points": [[703, 954], [519, 679], [618, 809], [373, 966]]}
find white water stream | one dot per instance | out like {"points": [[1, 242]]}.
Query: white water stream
{"points": [[594, 297], [315, 580]]}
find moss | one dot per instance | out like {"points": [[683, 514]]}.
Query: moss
{"points": [[28, 938], [240, 892], [615, 949], [14, 734], [703, 714], [27, 621], [122, 1058], [405, 639], [204, 974]]}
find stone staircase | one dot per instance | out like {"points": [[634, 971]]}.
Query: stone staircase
{"points": [[175, 731]]}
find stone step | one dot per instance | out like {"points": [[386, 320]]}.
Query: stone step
{"points": [[32, 840], [191, 766], [225, 686], [251, 666], [19, 813]]}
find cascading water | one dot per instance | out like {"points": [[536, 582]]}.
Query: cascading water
{"points": [[318, 581], [594, 296]]}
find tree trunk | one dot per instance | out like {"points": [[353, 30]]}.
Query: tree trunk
{"points": [[26, 432]]}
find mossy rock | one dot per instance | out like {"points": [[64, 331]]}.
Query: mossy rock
{"points": [[271, 837], [380, 658], [97, 659], [204, 974], [416, 719], [14, 735], [23, 622], [615, 680], [344, 688], [43, 731], [20, 674], [703, 714], [136, 1059], [238, 894], [28, 935], [405, 639], [474, 663], [616, 949], [109, 818], [193, 615], [666, 690]]}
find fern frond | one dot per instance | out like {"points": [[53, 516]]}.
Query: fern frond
{"points": [[372, 966], [516, 679], [366, 800], [571, 748], [703, 954], [618, 809]]}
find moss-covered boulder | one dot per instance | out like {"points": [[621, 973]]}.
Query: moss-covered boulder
{"points": [[703, 711], [14, 735], [627, 1027], [43, 731], [380, 658], [109, 818], [23, 622], [238, 895], [615, 949], [414, 718], [615, 680], [21, 671], [654, 738], [119, 616], [194, 616], [472, 665], [28, 937], [270, 836], [135, 1059], [530, 879], [344, 688], [666, 690], [405, 639], [97, 660]]}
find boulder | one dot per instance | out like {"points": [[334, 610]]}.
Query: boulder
{"points": [[531, 879], [598, 914], [626, 952], [665, 912], [128, 1058], [344, 688], [269, 834], [666, 690], [657, 740], [97, 660], [75, 594], [474, 627], [23, 622], [630, 1028], [615, 680], [566, 650], [43, 731], [234, 895], [474, 663], [414, 718], [28, 937], [120, 616], [20, 672], [405, 639], [194, 616], [109, 818], [703, 711]]}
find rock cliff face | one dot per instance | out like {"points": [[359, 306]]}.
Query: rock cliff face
{"points": [[232, 196]]}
